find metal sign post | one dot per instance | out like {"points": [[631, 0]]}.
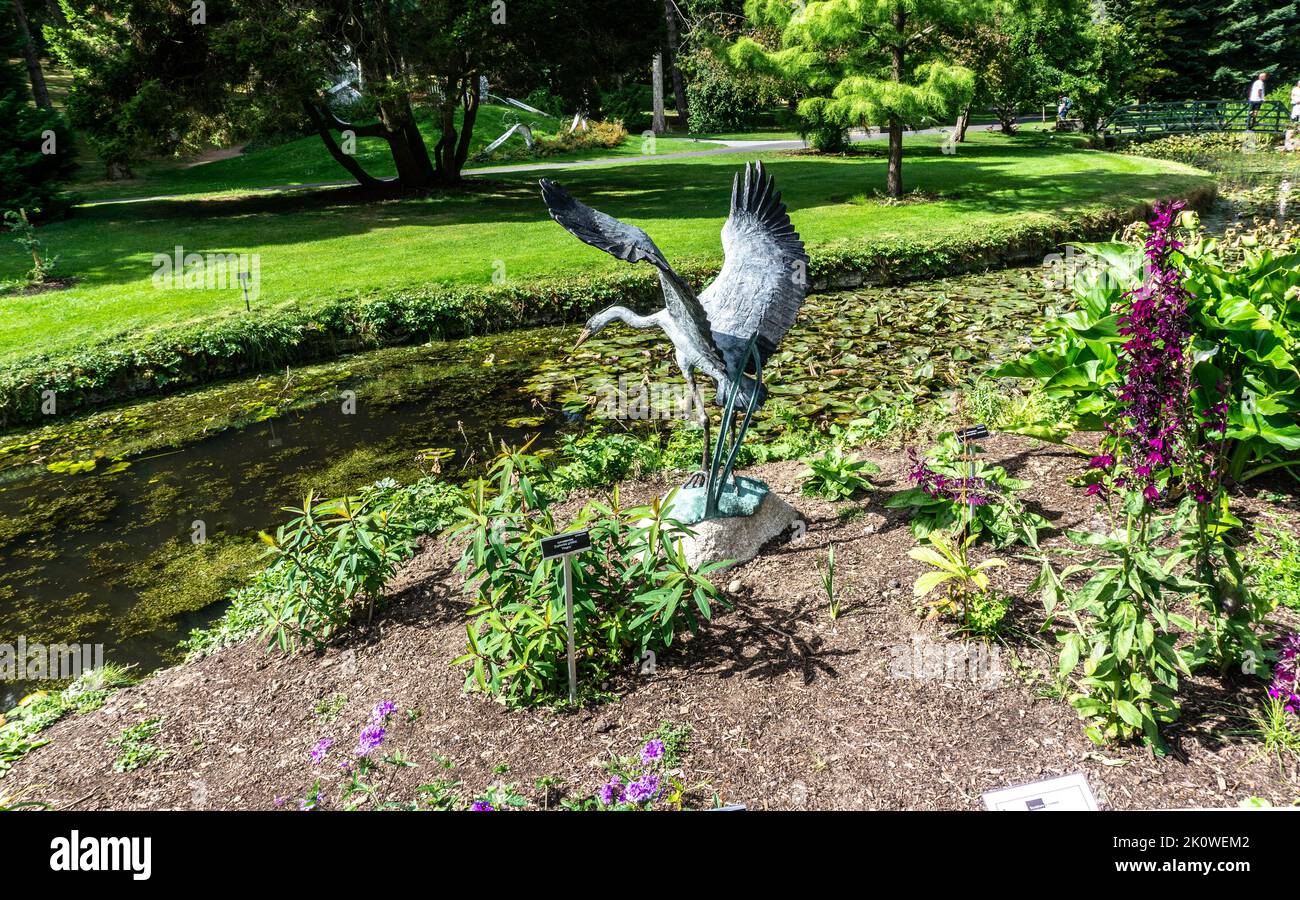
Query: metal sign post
{"points": [[564, 546]]}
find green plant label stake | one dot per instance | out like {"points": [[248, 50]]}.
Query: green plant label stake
{"points": [[564, 546]]}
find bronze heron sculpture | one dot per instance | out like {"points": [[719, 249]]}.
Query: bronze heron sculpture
{"points": [[730, 330]]}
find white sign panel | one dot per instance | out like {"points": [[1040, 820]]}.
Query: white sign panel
{"points": [[1070, 792]]}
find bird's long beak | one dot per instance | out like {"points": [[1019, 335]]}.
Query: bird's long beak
{"points": [[582, 338]]}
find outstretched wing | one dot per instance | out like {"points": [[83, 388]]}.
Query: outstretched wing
{"points": [[765, 275], [604, 232], [627, 242]]}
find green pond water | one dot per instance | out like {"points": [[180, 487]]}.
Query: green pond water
{"points": [[127, 527]]}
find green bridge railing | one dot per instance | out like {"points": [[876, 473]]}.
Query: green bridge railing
{"points": [[1195, 116]]}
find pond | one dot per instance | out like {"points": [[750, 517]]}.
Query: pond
{"points": [[133, 550]]}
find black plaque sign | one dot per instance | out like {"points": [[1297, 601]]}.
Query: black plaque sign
{"points": [[564, 544], [979, 432]]}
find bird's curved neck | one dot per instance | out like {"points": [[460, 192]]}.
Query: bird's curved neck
{"points": [[621, 314]]}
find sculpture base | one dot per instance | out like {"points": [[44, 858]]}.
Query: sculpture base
{"points": [[741, 498], [736, 537]]}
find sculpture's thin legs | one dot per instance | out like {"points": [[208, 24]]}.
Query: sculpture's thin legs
{"points": [[704, 421]]}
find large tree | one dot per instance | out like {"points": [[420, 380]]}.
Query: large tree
{"points": [[251, 62], [35, 150], [1254, 36], [865, 62]]}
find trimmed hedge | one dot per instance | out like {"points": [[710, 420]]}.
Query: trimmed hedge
{"points": [[261, 341]]}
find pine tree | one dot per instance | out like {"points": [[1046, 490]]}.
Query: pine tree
{"points": [[1254, 36], [881, 63]]}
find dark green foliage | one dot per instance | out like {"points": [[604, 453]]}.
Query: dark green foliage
{"points": [[1254, 36], [719, 101], [29, 177], [630, 105]]}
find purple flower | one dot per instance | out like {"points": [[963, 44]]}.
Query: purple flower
{"points": [[318, 752], [482, 806], [612, 791], [643, 789], [382, 712], [1286, 674], [369, 740], [973, 491], [652, 751], [1157, 428]]}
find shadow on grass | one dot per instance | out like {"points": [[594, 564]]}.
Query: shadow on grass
{"points": [[981, 180]]}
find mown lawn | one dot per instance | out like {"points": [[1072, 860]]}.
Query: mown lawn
{"points": [[315, 245], [306, 161]]}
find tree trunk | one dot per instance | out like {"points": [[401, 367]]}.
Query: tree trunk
{"points": [[39, 92], [963, 122], [349, 163], [415, 171], [894, 184], [670, 56], [894, 181], [470, 105], [659, 125]]}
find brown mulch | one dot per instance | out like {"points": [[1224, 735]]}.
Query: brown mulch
{"points": [[788, 709]]}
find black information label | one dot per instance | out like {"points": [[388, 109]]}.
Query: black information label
{"points": [[564, 544], [979, 432]]}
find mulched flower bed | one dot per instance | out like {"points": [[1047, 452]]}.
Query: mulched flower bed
{"points": [[788, 709]]}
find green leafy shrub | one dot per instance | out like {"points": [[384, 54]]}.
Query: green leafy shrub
{"points": [[1246, 320], [836, 476], [336, 556], [962, 581], [719, 101], [632, 592], [327, 563], [1123, 633], [953, 488], [1159, 478], [1274, 563]]}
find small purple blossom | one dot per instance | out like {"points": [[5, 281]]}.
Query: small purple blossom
{"points": [[382, 711], [973, 491], [612, 791], [318, 752], [643, 789], [482, 806], [653, 750], [369, 740]]}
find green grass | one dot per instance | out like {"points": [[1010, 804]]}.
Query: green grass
{"points": [[306, 161], [314, 245]]}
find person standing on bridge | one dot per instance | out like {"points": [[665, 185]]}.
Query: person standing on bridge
{"points": [[1258, 91]]}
